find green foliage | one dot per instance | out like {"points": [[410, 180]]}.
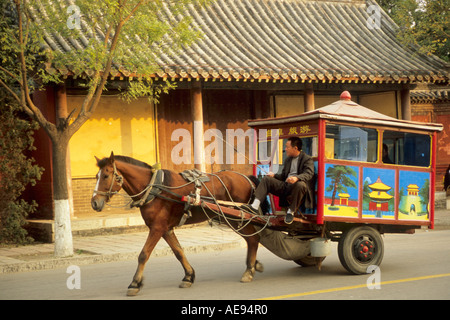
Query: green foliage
{"points": [[16, 171], [146, 88], [424, 193], [146, 30], [422, 23], [11, 49], [339, 176], [101, 37]]}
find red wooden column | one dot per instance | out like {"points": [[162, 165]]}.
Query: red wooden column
{"points": [[197, 122], [308, 97], [405, 101]]}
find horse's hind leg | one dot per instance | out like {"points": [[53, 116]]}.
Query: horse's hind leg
{"points": [[150, 244], [189, 272], [252, 264]]}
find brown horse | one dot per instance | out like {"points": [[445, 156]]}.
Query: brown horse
{"points": [[165, 211]]}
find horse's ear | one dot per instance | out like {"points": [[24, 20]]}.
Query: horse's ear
{"points": [[111, 157], [98, 160]]}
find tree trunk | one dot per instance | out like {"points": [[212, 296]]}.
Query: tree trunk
{"points": [[333, 196], [63, 230]]}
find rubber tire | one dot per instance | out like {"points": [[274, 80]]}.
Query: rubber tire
{"points": [[348, 252]]}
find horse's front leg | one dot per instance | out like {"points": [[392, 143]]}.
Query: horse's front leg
{"points": [[189, 272], [252, 248], [150, 243]]}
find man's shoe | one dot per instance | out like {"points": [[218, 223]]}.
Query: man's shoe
{"points": [[249, 208], [288, 218]]}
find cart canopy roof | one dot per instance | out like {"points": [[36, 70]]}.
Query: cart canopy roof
{"points": [[348, 111]]}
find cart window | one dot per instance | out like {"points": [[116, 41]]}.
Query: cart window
{"points": [[351, 143], [309, 146], [403, 148]]}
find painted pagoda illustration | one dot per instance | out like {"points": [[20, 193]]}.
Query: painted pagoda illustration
{"points": [[411, 203], [379, 197]]}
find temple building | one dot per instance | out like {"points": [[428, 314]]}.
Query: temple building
{"points": [[411, 204], [343, 199], [379, 198], [256, 59]]}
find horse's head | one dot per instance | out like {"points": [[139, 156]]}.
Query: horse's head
{"points": [[109, 182]]}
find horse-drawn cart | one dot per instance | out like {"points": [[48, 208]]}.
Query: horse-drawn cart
{"points": [[374, 175]]}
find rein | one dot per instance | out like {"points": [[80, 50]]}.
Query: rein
{"points": [[149, 196], [148, 189]]}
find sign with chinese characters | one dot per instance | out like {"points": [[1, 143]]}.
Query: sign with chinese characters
{"points": [[299, 130]]}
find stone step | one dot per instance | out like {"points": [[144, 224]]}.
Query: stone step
{"points": [[44, 230], [440, 200]]}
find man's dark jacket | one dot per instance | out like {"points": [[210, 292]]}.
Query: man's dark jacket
{"points": [[305, 172]]}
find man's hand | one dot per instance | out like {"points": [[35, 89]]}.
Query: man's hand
{"points": [[292, 180], [271, 174]]}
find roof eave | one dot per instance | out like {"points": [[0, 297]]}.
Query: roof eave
{"points": [[318, 115]]}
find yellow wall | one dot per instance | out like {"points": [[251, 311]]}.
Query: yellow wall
{"points": [[291, 105], [126, 129], [384, 102], [287, 105]]}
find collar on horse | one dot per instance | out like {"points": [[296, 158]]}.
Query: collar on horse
{"points": [[153, 189], [156, 186]]}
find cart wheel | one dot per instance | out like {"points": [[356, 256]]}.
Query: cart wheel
{"points": [[359, 248], [308, 261]]}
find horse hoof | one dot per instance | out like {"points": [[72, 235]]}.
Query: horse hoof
{"points": [[259, 266], [134, 288], [247, 277], [131, 292], [185, 284]]}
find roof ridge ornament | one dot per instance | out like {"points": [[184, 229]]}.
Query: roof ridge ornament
{"points": [[346, 96]]}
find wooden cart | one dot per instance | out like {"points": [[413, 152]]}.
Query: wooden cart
{"points": [[374, 175]]}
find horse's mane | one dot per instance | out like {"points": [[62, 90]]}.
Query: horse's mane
{"points": [[125, 159]]}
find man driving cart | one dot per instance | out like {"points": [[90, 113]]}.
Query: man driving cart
{"points": [[293, 185]]}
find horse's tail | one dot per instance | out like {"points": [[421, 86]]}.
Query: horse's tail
{"points": [[254, 179], [265, 205]]}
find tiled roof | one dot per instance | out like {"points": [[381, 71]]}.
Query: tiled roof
{"points": [[427, 96], [290, 40]]}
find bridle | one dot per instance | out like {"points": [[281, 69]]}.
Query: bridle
{"points": [[116, 178]]}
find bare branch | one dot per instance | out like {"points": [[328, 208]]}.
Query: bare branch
{"points": [[15, 96], [26, 100], [9, 73], [94, 95], [132, 11]]}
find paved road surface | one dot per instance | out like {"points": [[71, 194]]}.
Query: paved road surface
{"points": [[414, 267]]}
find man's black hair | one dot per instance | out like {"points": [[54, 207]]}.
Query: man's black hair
{"points": [[296, 142]]}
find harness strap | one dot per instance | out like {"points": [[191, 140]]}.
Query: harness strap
{"points": [[152, 181], [154, 188], [148, 195]]}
